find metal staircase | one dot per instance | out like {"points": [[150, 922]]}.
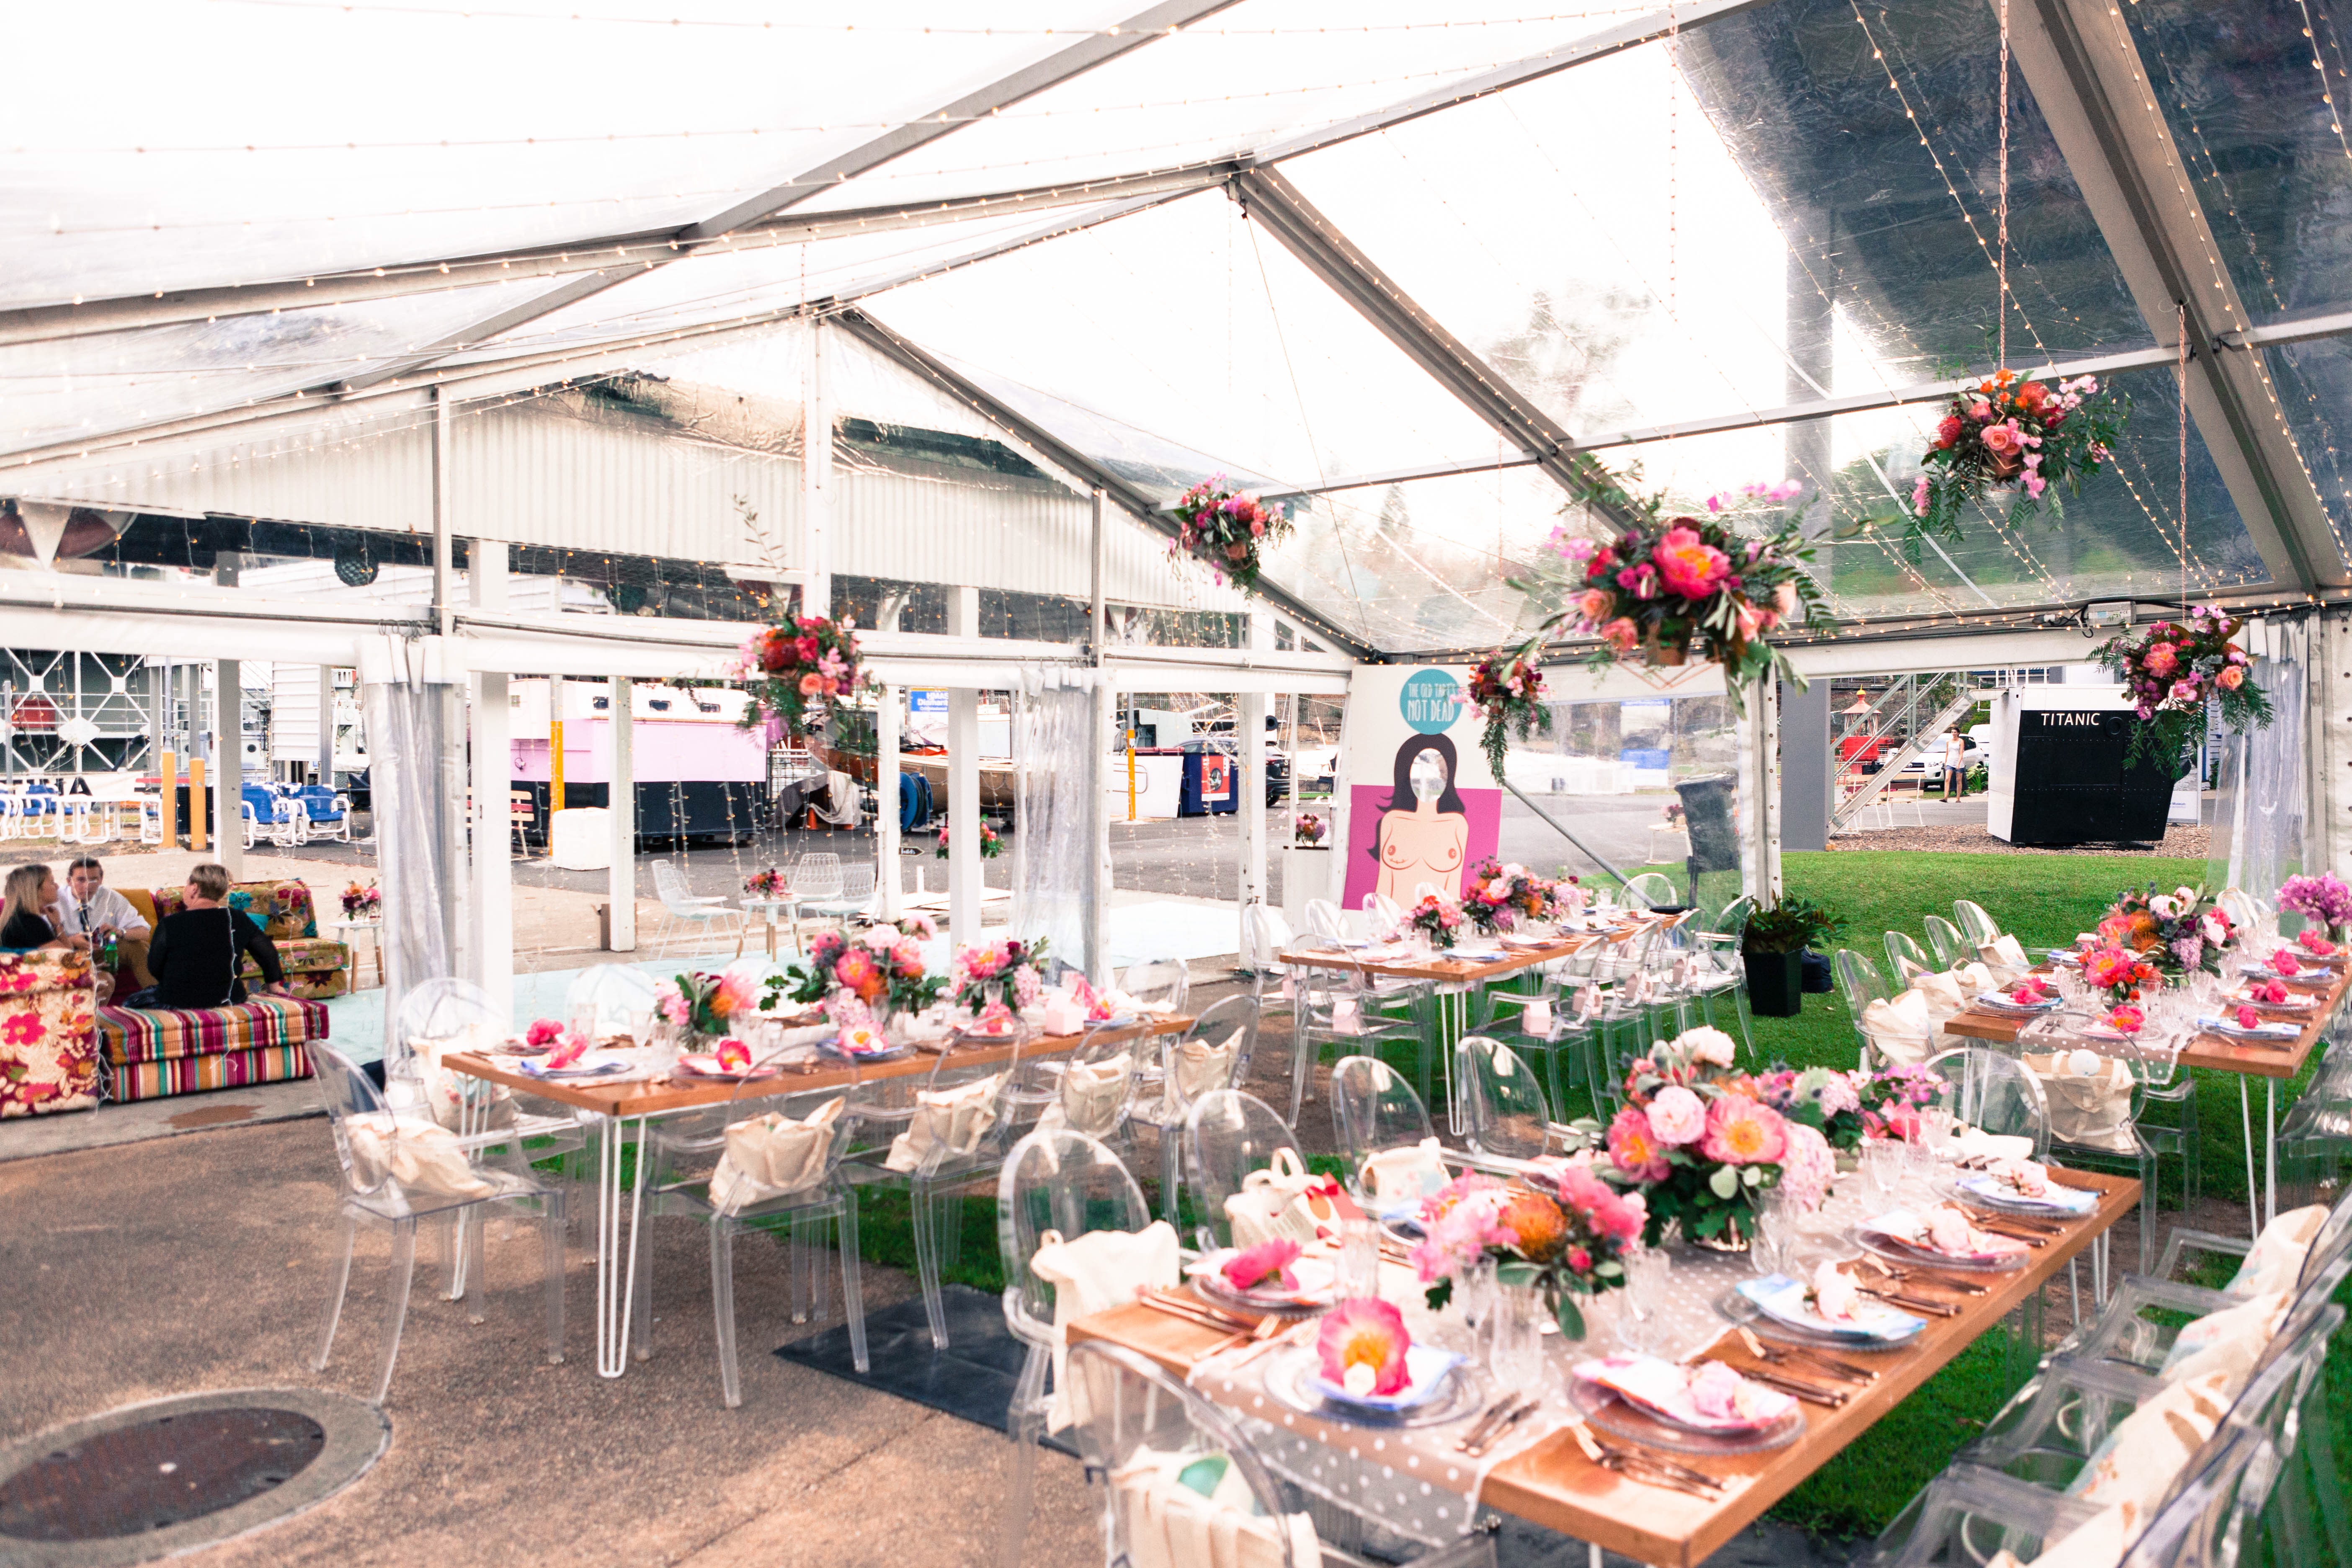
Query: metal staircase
{"points": [[1902, 723]]}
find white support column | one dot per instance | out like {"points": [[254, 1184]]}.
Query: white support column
{"points": [[228, 744], [621, 803], [816, 481], [963, 783], [326, 738], [1249, 737], [1758, 735], [1105, 728], [457, 866], [886, 707], [493, 785]]}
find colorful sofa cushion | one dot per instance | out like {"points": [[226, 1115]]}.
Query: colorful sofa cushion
{"points": [[198, 1075], [161, 1034], [49, 1053], [284, 909]]}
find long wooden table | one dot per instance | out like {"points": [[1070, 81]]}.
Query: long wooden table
{"points": [[1444, 968], [2273, 1062], [615, 1105], [1553, 1484]]}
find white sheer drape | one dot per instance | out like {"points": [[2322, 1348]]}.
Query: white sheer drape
{"points": [[1052, 755], [406, 715], [2260, 816]]}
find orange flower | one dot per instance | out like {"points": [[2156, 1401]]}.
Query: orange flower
{"points": [[1537, 1226]]}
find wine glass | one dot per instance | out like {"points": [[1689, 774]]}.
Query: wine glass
{"points": [[1777, 1220], [1647, 1271], [1881, 1167]]}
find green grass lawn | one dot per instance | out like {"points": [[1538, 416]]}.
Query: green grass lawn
{"points": [[2044, 900]]}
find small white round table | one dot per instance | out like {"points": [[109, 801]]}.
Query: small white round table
{"points": [[374, 928]]}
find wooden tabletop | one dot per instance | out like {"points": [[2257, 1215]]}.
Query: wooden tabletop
{"points": [[2255, 1058], [644, 1097], [1440, 967], [1554, 1485]]}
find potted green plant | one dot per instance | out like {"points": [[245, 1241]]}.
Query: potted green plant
{"points": [[1774, 948]]}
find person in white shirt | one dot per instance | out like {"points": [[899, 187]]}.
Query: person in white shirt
{"points": [[1956, 770], [91, 908]]}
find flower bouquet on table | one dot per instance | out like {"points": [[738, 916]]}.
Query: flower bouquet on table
{"points": [[1308, 828], [2174, 671], [2009, 431], [768, 884], [992, 843], [1008, 966], [1227, 530], [1436, 920], [2121, 974], [363, 902], [1507, 689], [2323, 898], [2174, 932], [1695, 1140], [856, 980], [1894, 1096], [1567, 1239], [702, 1003], [1823, 1099], [793, 672]]}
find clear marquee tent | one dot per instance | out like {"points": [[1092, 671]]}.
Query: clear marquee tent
{"points": [[400, 276]]}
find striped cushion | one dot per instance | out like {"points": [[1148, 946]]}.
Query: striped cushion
{"points": [[164, 1033], [196, 1074]]}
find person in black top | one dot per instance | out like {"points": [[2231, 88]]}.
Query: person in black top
{"points": [[28, 914], [196, 952]]}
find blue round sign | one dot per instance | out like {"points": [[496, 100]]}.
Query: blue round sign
{"points": [[1431, 700]]}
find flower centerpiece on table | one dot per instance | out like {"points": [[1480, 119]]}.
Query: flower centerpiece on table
{"points": [[2175, 931], [767, 884], [1226, 528], [1499, 897], [1823, 1099], [1437, 918], [1894, 1096], [881, 972], [362, 903], [2011, 430], [1507, 689], [991, 844], [1009, 964], [1567, 1239], [1308, 828], [1721, 581], [2323, 898], [794, 670], [703, 1004], [1695, 1139], [2173, 672], [2118, 973]]}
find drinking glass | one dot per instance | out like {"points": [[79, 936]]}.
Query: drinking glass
{"points": [[1359, 1259], [1516, 1354], [641, 1026], [1919, 1167], [1648, 1270], [1776, 1226], [582, 1019], [1881, 1167]]}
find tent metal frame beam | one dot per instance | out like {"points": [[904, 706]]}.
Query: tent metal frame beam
{"points": [[2086, 75], [629, 254], [1040, 76], [1059, 453]]}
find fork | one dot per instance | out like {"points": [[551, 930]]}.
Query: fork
{"points": [[1644, 1465], [1922, 1277], [1812, 1359]]}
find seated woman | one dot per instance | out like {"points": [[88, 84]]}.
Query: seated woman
{"points": [[198, 953], [28, 913]]}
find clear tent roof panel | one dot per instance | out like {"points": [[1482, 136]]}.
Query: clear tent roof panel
{"points": [[2313, 382], [1188, 322], [328, 137], [1250, 76]]}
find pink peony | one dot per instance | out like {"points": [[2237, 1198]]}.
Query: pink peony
{"points": [[1677, 1116], [1739, 1131], [734, 1056], [1362, 1344], [1620, 634], [543, 1031], [1617, 1217], [1268, 1262], [1633, 1149], [1690, 567], [1807, 1165], [2248, 1019], [2160, 660]]}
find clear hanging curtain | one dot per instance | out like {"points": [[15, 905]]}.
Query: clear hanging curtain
{"points": [[2260, 811], [406, 718], [1054, 872]]}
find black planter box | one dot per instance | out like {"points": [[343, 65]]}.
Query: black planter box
{"points": [[1775, 984]]}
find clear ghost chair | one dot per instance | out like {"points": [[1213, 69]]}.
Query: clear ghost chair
{"points": [[1372, 1108], [1564, 1037], [686, 1154], [1509, 1118], [1859, 985], [1094, 1085], [1901, 950], [1723, 972], [442, 1182], [1977, 927], [1168, 980], [1651, 891], [1944, 939], [622, 997], [1228, 1135], [1338, 1002], [1069, 1184], [1993, 1093], [936, 1181], [1381, 913], [1323, 918], [1173, 1070]]}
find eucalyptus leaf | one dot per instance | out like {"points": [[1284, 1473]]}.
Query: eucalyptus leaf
{"points": [[1725, 1182], [1570, 1320]]}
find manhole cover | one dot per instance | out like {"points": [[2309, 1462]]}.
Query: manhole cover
{"points": [[153, 1480], [157, 1473]]}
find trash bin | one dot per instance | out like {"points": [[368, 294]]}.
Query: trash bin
{"points": [[1208, 785]]}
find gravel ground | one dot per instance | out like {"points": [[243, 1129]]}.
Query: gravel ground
{"points": [[2186, 842]]}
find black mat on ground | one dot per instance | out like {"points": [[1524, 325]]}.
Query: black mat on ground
{"points": [[971, 1379]]}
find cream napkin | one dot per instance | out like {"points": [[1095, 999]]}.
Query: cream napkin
{"points": [[2229, 1341], [1093, 1273], [441, 1086], [2142, 1455], [2092, 1108], [421, 1157], [2275, 1260], [1093, 1094], [1943, 997], [1199, 1066], [956, 1118], [772, 1157], [1171, 1524], [1900, 1030], [2005, 957], [1968, 977]]}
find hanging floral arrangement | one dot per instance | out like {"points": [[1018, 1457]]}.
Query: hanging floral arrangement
{"points": [[1507, 689], [794, 670], [2014, 433], [1227, 529], [2173, 671], [1668, 585]]}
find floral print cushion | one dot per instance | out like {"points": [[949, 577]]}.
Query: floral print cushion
{"points": [[48, 1046], [284, 909]]}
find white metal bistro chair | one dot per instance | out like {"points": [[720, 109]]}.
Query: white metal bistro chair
{"points": [[685, 913]]}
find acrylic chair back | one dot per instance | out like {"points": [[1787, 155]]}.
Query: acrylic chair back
{"points": [[1142, 1425], [1993, 1093], [622, 998], [1373, 1108], [1323, 918], [1230, 1021], [1381, 913], [1509, 1113], [1901, 950], [1268, 934], [350, 1093], [2209, 1516], [440, 1008], [1095, 1084], [1858, 982], [1652, 889], [1064, 1181], [1158, 980], [1228, 1135], [1944, 939], [1976, 926]]}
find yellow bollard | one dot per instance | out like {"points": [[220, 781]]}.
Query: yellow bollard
{"points": [[169, 781], [196, 804]]}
